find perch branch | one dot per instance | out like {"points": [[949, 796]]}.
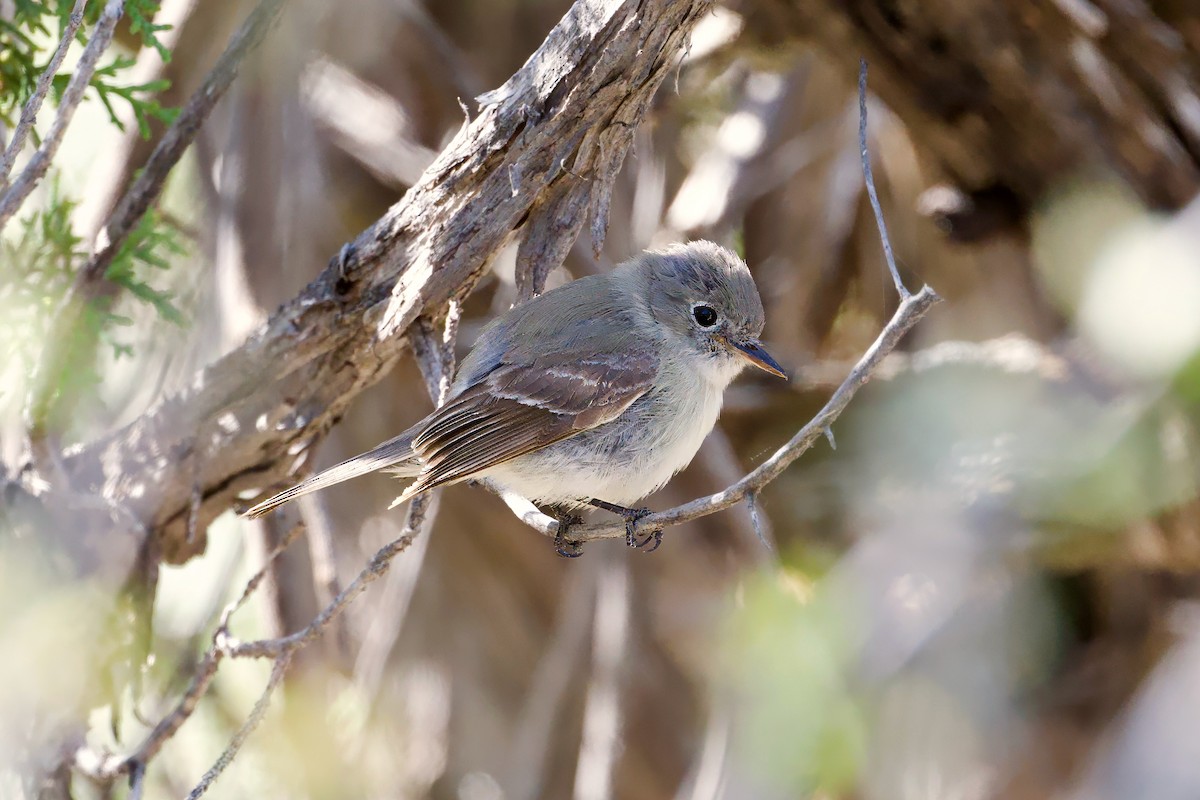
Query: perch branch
{"points": [[35, 170], [911, 310], [30, 110]]}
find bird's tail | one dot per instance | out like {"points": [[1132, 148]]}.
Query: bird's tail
{"points": [[396, 455]]}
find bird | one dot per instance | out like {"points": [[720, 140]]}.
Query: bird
{"points": [[594, 393]]}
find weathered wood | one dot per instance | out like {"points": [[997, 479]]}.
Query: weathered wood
{"points": [[549, 141]]}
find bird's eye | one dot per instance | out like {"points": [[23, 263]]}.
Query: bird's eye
{"points": [[705, 315]]}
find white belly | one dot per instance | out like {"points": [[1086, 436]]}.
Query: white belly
{"points": [[624, 460]]}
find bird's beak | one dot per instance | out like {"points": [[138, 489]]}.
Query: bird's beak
{"points": [[752, 350]]}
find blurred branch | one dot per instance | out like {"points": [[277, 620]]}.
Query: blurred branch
{"points": [[435, 357], [91, 281], [30, 110], [599, 745], [1013, 354], [366, 123], [535, 733], [568, 112], [179, 136], [107, 179], [14, 196]]}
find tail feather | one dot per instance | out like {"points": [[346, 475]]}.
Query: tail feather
{"points": [[396, 455]]}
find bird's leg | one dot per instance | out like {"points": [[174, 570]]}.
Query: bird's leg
{"points": [[631, 516], [567, 548]]}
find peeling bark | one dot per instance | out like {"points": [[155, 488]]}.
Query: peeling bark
{"points": [[551, 139]]}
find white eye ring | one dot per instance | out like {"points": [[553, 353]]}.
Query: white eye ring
{"points": [[705, 315]]}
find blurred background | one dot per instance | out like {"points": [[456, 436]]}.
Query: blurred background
{"points": [[988, 590]]}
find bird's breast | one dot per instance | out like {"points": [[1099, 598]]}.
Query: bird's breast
{"points": [[624, 460]]}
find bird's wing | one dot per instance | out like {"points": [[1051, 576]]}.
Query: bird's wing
{"points": [[519, 408]]}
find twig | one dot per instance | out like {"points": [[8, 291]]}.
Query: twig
{"points": [[137, 781], [757, 521], [107, 179], [911, 309], [30, 110], [434, 365], [113, 765], [390, 611], [434, 353], [256, 715], [35, 170], [376, 568], [870, 180]]}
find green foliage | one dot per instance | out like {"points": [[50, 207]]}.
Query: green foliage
{"points": [[150, 246], [38, 266], [789, 649], [28, 40], [45, 338]]}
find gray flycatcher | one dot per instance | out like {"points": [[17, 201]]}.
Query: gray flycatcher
{"points": [[594, 393]]}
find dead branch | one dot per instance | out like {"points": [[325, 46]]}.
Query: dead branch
{"points": [[569, 112], [278, 670]]}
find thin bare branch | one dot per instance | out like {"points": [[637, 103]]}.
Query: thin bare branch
{"points": [[30, 110], [870, 181], [14, 196], [106, 768], [756, 519], [177, 139], [433, 367], [376, 568], [256, 716], [911, 310]]}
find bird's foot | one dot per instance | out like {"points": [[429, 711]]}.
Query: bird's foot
{"points": [[632, 517], [567, 548]]}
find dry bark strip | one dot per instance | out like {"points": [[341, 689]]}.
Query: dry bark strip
{"points": [[547, 142]]}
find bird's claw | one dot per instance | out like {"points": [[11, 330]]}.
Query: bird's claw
{"points": [[632, 517], [656, 536], [567, 548]]}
